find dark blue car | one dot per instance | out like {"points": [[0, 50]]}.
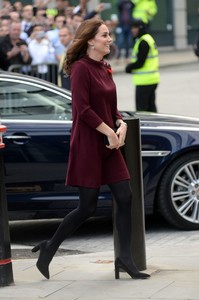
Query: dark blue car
{"points": [[37, 115]]}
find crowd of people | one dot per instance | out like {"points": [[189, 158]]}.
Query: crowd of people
{"points": [[35, 39], [39, 34]]}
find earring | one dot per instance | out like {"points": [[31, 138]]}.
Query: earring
{"points": [[93, 47]]}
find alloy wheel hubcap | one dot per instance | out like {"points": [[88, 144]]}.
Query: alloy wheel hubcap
{"points": [[185, 192]]}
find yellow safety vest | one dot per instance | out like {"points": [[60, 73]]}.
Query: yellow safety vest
{"points": [[144, 10], [149, 73], [52, 11]]}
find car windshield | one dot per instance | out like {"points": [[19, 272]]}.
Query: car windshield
{"points": [[31, 101]]}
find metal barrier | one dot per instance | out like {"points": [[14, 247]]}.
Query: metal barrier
{"points": [[6, 274], [47, 72]]}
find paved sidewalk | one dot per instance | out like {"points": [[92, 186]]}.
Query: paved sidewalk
{"points": [[167, 58], [172, 58], [172, 260], [174, 273]]}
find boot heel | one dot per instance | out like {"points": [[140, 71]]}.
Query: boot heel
{"points": [[44, 259], [36, 248], [117, 272], [133, 273]]}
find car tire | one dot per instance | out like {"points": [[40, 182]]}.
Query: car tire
{"points": [[178, 193]]}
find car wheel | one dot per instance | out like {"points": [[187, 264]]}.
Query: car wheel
{"points": [[178, 195]]}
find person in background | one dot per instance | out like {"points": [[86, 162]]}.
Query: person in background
{"points": [[76, 20], [40, 16], [4, 30], [144, 67], [41, 4], [96, 12], [95, 157], [80, 13], [50, 22], [5, 22], [61, 5], [7, 5], [81, 8], [27, 19], [68, 13], [41, 51], [18, 6], [51, 9], [6, 9], [65, 36], [15, 16], [14, 50], [123, 30], [53, 35], [144, 10]]}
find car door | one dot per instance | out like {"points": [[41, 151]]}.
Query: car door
{"points": [[38, 121]]}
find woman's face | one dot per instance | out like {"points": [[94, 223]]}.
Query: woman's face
{"points": [[102, 41]]}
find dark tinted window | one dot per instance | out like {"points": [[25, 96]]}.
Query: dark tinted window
{"points": [[27, 101]]}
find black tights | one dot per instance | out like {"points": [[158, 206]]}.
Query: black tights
{"points": [[87, 207], [123, 224]]}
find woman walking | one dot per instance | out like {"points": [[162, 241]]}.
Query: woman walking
{"points": [[95, 158]]}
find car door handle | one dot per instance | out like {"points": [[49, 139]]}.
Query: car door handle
{"points": [[18, 139]]}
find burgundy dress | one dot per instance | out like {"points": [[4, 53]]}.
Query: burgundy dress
{"points": [[94, 101]]}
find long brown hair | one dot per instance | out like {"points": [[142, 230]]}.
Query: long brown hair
{"points": [[85, 32]]}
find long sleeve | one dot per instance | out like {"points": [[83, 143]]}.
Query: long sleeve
{"points": [[80, 87]]}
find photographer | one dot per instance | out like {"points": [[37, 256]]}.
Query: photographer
{"points": [[41, 51], [14, 50]]}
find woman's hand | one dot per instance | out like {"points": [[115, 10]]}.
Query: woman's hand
{"points": [[121, 133], [113, 140]]}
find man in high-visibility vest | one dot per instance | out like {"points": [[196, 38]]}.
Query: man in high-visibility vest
{"points": [[144, 10], [144, 67]]}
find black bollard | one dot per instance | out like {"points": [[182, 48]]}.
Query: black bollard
{"points": [[6, 273], [132, 155]]}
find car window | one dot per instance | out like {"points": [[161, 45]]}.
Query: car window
{"points": [[27, 101]]}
